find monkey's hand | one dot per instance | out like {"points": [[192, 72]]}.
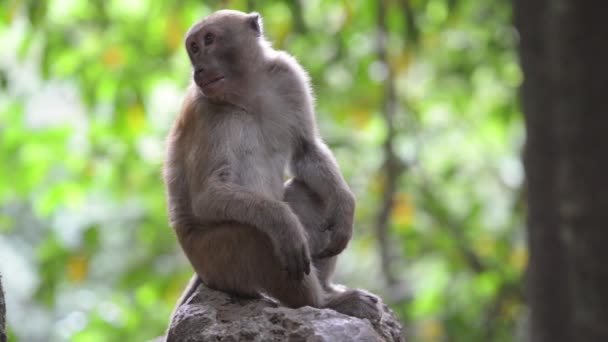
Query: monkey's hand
{"points": [[292, 249], [339, 224]]}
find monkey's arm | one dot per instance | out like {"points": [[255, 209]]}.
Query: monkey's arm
{"points": [[220, 200], [314, 164]]}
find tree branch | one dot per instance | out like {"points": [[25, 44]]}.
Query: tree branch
{"points": [[411, 27], [392, 165], [296, 11]]}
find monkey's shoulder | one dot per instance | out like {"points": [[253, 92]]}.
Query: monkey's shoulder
{"points": [[287, 74], [281, 62]]}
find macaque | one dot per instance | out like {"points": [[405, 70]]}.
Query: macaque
{"points": [[247, 118]]}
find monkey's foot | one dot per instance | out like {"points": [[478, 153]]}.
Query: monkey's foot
{"points": [[357, 303]]}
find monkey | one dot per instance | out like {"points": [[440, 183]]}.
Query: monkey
{"points": [[247, 118]]}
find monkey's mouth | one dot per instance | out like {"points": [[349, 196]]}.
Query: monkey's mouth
{"points": [[211, 81]]}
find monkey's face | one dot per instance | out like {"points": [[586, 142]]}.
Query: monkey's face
{"points": [[219, 47]]}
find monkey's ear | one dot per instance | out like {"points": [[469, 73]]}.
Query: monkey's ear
{"points": [[254, 20]]}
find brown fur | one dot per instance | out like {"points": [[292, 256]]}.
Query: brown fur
{"points": [[243, 230]]}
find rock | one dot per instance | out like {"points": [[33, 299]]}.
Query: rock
{"points": [[210, 315]]}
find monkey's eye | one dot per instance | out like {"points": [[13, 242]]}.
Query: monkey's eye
{"points": [[209, 39], [194, 47]]}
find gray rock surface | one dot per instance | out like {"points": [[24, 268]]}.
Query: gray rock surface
{"points": [[210, 315]]}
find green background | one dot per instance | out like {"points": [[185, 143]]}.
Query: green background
{"points": [[89, 89]]}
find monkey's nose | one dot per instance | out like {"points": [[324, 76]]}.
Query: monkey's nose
{"points": [[198, 70]]}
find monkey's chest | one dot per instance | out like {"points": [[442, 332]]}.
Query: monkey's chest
{"points": [[261, 166]]}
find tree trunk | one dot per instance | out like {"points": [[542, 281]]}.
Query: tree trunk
{"points": [[2, 314], [547, 275], [564, 56]]}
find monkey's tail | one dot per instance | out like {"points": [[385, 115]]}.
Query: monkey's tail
{"points": [[192, 285], [194, 282]]}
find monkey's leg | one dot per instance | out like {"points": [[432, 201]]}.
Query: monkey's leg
{"points": [[309, 209], [239, 259], [309, 291], [226, 256], [294, 293]]}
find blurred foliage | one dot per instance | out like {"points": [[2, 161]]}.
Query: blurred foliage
{"points": [[88, 90]]}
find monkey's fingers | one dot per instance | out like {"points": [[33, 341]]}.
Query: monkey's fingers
{"points": [[298, 273], [306, 259], [329, 252], [294, 267], [285, 262], [303, 264], [373, 299]]}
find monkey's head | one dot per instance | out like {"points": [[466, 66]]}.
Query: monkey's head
{"points": [[222, 48]]}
